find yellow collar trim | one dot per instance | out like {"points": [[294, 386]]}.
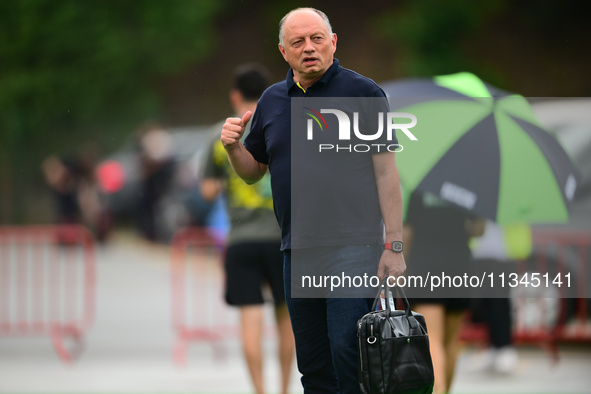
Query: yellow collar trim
{"points": [[301, 87]]}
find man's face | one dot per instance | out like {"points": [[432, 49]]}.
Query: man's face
{"points": [[308, 46]]}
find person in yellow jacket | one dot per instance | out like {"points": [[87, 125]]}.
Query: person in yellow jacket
{"points": [[253, 258]]}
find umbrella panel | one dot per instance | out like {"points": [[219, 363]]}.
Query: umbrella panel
{"points": [[528, 190], [439, 126], [499, 167], [563, 168], [533, 178], [468, 174]]}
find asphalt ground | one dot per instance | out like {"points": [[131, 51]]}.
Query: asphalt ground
{"points": [[129, 348]]}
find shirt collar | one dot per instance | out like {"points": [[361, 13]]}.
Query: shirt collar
{"points": [[331, 72]]}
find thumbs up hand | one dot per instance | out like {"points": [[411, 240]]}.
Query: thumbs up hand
{"points": [[233, 130]]}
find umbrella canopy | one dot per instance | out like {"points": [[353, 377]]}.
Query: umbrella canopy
{"points": [[481, 149]]}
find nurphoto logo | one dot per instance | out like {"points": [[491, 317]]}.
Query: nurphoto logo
{"points": [[347, 128]]}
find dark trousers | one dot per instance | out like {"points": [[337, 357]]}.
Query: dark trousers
{"points": [[494, 308], [496, 313], [325, 331]]}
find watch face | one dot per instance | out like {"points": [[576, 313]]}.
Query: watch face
{"points": [[397, 246]]}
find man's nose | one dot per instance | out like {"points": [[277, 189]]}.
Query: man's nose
{"points": [[309, 47]]}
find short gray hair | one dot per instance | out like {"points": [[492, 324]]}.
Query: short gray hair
{"points": [[322, 15]]}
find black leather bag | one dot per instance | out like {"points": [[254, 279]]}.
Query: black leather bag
{"points": [[394, 356]]}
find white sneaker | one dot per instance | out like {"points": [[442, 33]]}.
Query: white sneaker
{"points": [[505, 360], [483, 361]]}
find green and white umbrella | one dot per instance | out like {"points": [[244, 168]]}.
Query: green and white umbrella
{"points": [[481, 149]]}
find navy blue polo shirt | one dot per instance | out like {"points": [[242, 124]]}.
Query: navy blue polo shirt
{"points": [[269, 142]]}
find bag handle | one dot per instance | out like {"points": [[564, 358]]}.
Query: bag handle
{"points": [[390, 296]]}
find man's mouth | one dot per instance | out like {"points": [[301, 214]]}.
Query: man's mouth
{"points": [[310, 61]]}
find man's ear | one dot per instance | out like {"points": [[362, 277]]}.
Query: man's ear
{"points": [[334, 42], [282, 50]]}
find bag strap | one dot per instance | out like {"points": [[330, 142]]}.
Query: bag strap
{"points": [[389, 296]]}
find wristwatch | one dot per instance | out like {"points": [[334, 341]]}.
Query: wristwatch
{"points": [[395, 246]]}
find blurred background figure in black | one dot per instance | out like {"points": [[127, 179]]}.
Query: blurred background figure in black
{"points": [[155, 155], [436, 236], [76, 197]]}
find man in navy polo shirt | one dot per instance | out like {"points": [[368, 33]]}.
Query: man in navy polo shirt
{"points": [[324, 328]]}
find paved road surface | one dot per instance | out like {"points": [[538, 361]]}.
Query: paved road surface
{"points": [[129, 347]]}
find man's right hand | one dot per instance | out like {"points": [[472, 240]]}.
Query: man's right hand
{"points": [[233, 130], [242, 161]]}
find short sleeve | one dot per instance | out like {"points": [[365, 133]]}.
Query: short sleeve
{"points": [[255, 140]]}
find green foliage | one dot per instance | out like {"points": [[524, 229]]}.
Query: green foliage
{"points": [[71, 65], [430, 33], [72, 71]]}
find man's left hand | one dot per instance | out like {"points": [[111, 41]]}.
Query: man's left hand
{"points": [[391, 264]]}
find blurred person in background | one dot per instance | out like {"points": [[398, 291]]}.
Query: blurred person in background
{"points": [[495, 251], [76, 197], [436, 237], [253, 259], [157, 166]]}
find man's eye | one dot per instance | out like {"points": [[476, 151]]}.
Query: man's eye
{"points": [[297, 43], [317, 38]]}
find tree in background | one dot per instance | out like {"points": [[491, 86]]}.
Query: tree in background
{"points": [[70, 70], [430, 36], [532, 47]]}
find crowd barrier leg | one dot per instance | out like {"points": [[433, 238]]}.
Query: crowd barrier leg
{"points": [[47, 284], [197, 293], [60, 335]]}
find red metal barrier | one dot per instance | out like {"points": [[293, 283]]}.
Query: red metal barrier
{"points": [[563, 256], [198, 310], [47, 284], [197, 286], [572, 253]]}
